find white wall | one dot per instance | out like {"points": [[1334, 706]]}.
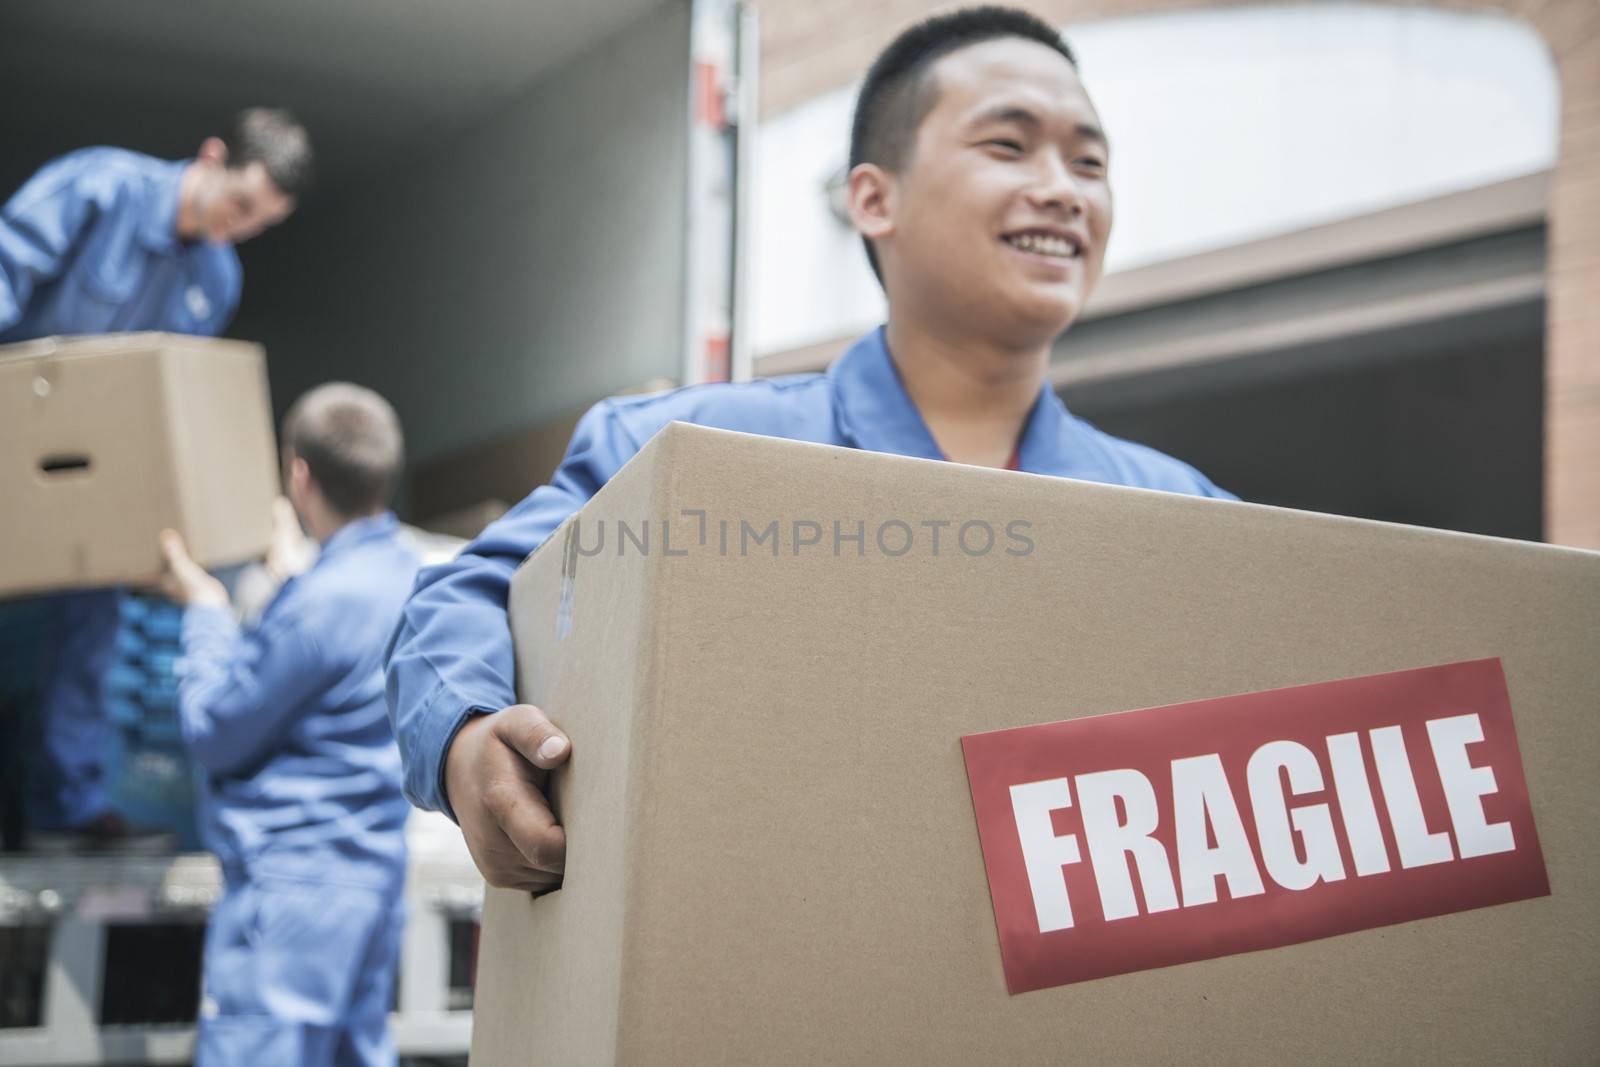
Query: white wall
{"points": [[1226, 125], [532, 264]]}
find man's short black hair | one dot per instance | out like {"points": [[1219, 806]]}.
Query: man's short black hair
{"points": [[898, 92], [350, 438], [276, 140]]}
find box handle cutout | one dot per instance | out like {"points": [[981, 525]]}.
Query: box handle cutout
{"points": [[64, 463]]}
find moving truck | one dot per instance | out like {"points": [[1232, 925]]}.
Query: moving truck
{"points": [[519, 209]]}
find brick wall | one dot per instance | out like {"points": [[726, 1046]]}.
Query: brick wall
{"points": [[812, 46]]}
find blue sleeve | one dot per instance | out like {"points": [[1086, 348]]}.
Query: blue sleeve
{"points": [[451, 656], [1146, 468], [38, 227], [239, 691], [1211, 489]]}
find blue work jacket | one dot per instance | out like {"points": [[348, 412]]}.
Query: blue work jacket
{"points": [[451, 655], [287, 720], [89, 245]]}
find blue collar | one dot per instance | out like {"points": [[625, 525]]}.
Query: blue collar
{"points": [[159, 230], [874, 410], [359, 532], [876, 413]]}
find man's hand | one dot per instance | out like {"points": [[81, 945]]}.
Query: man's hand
{"points": [[290, 551], [186, 581], [495, 771]]}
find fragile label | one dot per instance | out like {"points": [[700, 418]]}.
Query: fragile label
{"points": [[1143, 839]]}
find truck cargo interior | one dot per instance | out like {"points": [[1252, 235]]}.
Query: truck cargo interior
{"points": [[477, 215]]}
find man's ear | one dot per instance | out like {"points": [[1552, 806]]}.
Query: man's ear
{"points": [[870, 195], [213, 151], [299, 473]]}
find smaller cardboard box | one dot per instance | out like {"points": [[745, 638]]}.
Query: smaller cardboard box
{"points": [[105, 441]]}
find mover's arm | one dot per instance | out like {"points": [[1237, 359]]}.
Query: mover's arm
{"points": [[38, 228], [240, 690], [451, 657]]}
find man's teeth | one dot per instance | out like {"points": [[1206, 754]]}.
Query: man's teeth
{"points": [[1044, 245]]}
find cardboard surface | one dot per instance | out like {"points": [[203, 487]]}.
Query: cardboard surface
{"points": [[773, 855], [104, 441]]}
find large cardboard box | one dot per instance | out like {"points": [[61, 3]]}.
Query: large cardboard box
{"points": [[772, 849], [105, 441]]}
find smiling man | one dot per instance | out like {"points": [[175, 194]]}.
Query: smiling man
{"points": [[978, 182]]}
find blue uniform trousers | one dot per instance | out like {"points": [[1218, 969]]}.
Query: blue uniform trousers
{"points": [[299, 974], [75, 727]]}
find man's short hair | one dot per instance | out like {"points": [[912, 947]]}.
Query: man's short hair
{"points": [[350, 438], [899, 92], [276, 140]]}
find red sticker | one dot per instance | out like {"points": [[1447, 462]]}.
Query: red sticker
{"points": [[1124, 842]]}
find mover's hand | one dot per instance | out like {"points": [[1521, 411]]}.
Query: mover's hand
{"points": [[290, 551], [186, 581], [494, 775]]}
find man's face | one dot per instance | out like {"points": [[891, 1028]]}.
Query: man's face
{"points": [[240, 202], [1000, 218]]}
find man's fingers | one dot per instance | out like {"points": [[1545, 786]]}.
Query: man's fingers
{"points": [[504, 867], [173, 556], [525, 818], [542, 842], [525, 884], [532, 745], [525, 728], [176, 553], [495, 771], [172, 548]]}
